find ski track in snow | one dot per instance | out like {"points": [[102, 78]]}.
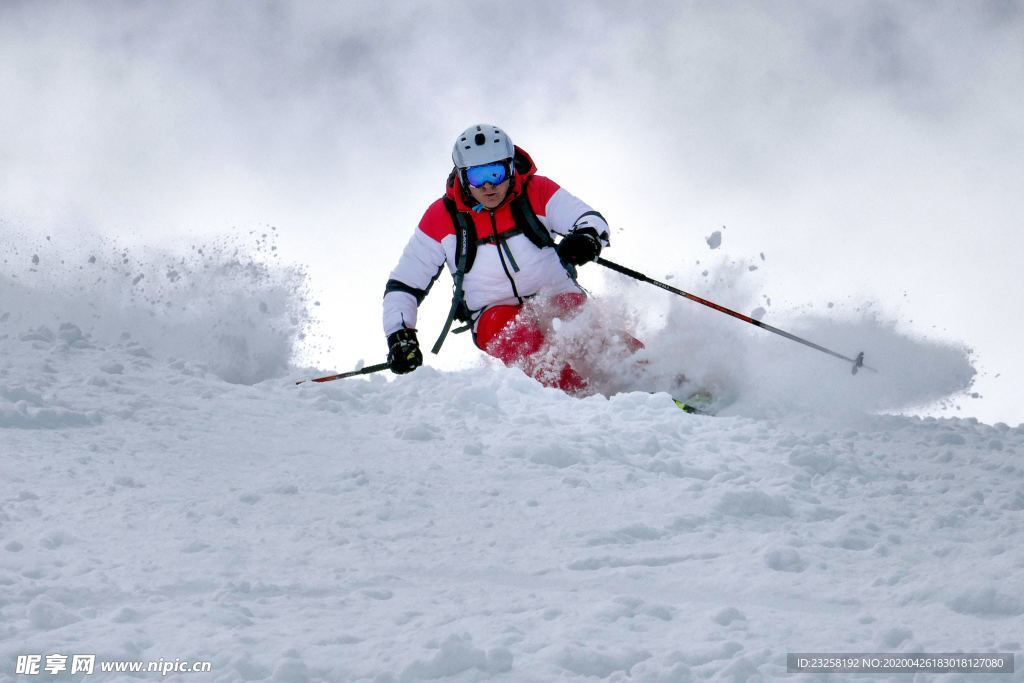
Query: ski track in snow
{"points": [[474, 526]]}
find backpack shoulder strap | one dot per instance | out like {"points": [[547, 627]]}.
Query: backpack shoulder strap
{"points": [[526, 219], [465, 250]]}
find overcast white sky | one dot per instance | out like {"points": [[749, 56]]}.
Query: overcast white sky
{"points": [[874, 151]]}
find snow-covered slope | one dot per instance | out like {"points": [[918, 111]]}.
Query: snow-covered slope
{"points": [[475, 526]]}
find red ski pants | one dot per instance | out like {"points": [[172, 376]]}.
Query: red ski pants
{"points": [[514, 335]]}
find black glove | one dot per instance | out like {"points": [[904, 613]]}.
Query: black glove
{"points": [[579, 247], [404, 353]]}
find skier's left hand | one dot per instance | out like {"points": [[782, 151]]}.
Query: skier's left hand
{"points": [[579, 247]]}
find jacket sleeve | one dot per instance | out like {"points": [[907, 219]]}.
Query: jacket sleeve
{"points": [[419, 266], [563, 212]]}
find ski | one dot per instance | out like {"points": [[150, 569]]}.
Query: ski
{"points": [[687, 408], [701, 403]]}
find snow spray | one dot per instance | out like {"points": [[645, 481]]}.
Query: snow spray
{"points": [[228, 305]]}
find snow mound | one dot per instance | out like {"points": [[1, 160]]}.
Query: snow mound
{"points": [[476, 526]]}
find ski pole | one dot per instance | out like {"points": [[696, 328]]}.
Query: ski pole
{"points": [[858, 362], [364, 371]]}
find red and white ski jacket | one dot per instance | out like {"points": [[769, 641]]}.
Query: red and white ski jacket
{"points": [[507, 269]]}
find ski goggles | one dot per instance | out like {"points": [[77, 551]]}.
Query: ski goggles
{"points": [[495, 174]]}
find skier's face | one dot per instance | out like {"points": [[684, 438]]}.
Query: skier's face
{"points": [[491, 196]]}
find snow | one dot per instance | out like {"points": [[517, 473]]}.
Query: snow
{"points": [[160, 498]]}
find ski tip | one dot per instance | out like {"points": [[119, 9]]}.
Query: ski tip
{"points": [[698, 403], [687, 408]]}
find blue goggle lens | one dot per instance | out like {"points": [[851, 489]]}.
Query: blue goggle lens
{"points": [[495, 174]]}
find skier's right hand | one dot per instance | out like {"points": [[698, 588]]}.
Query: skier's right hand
{"points": [[404, 353]]}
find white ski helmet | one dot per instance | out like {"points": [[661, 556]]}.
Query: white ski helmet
{"points": [[481, 144]]}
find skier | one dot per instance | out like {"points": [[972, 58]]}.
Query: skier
{"points": [[495, 228]]}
